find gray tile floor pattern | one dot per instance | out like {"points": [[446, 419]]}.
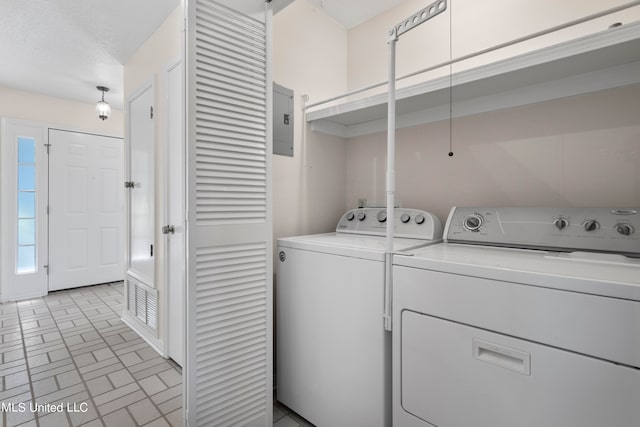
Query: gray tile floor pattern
{"points": [[284, 417], [71, 347]]}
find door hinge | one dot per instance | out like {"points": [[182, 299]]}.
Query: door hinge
{"points": [[150, 250], [48, 147], [46, 267], [387, 323], [47, 209], [151, 112]]}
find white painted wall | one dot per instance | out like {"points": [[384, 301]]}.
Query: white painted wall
{"points": [[61, 113], [42, 112], [578, 151], [310, 57], [475, 25], [148, 64]]}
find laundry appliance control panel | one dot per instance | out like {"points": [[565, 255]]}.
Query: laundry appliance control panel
{"points": [[408, 223], [612, 230]]}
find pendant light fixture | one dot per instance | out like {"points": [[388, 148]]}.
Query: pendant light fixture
{"points": [[103, 108]]}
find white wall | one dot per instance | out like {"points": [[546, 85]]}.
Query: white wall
{"points": [[42, 112], [58, 112], [310, 57], [148, 64], [475, 25], [578, 151]]}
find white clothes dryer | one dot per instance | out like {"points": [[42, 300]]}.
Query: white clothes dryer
{"points": [[523, 317], [333, 355]]}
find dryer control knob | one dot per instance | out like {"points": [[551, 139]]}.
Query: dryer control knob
{"points": [[382, 216], [561, 223], [591, 225], [419, 219], [350, 216], [624, 229], [405, 218], [472, 222], [361, 216]]}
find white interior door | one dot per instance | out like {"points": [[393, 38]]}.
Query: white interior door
{"points": [[86, 209], [175, 216], [141, 194], [228, 365]]}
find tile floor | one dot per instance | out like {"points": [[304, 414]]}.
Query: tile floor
{"points": [[71, 347], [284, 417]]}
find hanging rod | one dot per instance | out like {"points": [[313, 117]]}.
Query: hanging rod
{"points": [[487, 50]]}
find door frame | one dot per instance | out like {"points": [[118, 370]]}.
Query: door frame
{"points": [[38, 286], [122, 236], [164, 303]]}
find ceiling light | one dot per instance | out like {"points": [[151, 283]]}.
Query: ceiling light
{"points": [[102, 107]]}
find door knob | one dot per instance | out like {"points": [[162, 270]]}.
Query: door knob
{"points": [[168, 229]]}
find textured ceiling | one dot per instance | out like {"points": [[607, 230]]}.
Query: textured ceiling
{"points": [[65, 48]]}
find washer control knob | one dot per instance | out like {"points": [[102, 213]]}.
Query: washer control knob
{"points": [[591, 225], [382, 216], [472, 222], [361, 216], [561, 223], [624, 229], [419, 219], [350, 216], [405, 218]]}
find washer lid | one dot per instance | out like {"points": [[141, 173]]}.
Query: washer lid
{"points": [[593, 273], [344, 244]]}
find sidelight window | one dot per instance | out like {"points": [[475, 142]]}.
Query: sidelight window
{"points": [[26, 242]]}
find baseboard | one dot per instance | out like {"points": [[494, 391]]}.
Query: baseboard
{"points": [[14, 298], [141, 329]]}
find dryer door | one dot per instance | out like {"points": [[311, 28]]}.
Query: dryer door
{"points": [[454, 375]]}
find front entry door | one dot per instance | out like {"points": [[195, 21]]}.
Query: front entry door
{"points": [[86, 209]]}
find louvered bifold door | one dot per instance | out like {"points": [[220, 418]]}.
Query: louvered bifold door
{"points": [[229, 297]]}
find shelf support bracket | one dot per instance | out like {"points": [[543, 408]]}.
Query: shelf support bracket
{"points": [[394, 34]]}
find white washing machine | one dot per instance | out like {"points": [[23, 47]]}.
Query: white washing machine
{"points": [[333, 355], [523, 317]]}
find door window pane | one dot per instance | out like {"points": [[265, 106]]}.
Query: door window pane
{"points": [[26, 232], [26, 205], [26, 178], [26, 150], [26, 259]]}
